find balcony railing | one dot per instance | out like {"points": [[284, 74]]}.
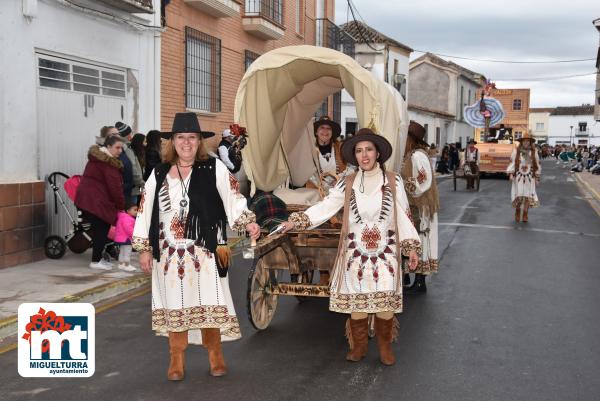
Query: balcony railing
{"points": [[330, 35], [132, 6], [271, 10]]}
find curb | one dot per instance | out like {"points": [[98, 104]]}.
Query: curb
{"points": [[95, 295], [594, 193]]}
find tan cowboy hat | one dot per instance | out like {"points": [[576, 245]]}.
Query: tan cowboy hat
{"points": [[526, 136], [366, 134]]}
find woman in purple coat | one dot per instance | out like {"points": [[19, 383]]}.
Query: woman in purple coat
{"points": [[100, 194]]}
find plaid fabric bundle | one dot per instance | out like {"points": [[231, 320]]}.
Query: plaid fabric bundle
{"points": [[270, 210]]}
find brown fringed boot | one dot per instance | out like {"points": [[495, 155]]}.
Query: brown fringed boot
{"points": [[525, 214], [178, 342], [518, 214], [211, 338], [385, 331], [357, 332]]}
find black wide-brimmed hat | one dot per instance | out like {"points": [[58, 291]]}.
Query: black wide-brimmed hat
{"points": [[366, 134], [472, 141], [188, 123], [417, 132], [325, 120]]}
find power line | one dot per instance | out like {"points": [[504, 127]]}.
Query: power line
{"points": [[545, 78], [509, 61], [358, 28]]}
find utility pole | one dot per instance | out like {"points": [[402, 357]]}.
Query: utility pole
{"points": [[571, 136]]}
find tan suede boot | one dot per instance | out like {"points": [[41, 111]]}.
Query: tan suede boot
{"points": [[525, 215], [518, 214], [211, 338], [357, 332], [178, 342], [384, 332]]}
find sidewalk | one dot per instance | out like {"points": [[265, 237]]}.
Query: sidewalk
{"points": [[60, 280], [591, 183], [68, 279]]}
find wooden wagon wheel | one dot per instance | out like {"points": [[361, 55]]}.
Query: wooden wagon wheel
{"points": [[260, 302]]}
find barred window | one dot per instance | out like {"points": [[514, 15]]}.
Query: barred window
{"points": [[202, 71], [249, 59]]}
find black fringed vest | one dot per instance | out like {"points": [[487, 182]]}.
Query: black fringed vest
{"points": [[206, 213]]}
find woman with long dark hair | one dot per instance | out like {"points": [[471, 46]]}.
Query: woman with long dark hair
{"points": [[376, 231], [138, 145], [153, 152]]}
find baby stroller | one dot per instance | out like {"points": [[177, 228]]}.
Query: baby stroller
{"points": [[78, 240]]}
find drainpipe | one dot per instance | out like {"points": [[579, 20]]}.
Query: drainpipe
{"points": [[386, 56]]}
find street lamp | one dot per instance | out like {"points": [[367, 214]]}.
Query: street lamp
{"points": [[571, 137]]}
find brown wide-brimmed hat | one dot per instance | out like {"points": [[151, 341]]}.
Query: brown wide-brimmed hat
{"points": [[366, 134], [526, 136], [417, 132], [325, 120]]}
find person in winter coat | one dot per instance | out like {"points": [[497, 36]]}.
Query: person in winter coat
{"points": [[123, 235], [136, 170], [100, 194]]}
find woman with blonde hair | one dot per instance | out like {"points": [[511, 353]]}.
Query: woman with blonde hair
{"points": [[185, 206]]}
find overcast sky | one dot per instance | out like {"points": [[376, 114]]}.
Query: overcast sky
{"points": [[503, 30]]}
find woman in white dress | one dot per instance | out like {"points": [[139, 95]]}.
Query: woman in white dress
{"points": [[185, 205], [524, 171], [376, 231]]}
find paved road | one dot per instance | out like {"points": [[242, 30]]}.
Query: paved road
{"points": [[512, 316]]}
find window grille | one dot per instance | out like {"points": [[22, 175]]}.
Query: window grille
{"points": [[70, 75], [202, 71], [249, 59], [268, 9]]}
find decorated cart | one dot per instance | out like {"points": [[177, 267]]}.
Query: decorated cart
{"points": [[276, 101]]}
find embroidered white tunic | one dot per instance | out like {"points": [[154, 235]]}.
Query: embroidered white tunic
{"points": [[524, 181], [367, 277], [422, 177], [187, 292]]}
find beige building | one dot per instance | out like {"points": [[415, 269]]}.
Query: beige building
{"points": [[539, 123]]}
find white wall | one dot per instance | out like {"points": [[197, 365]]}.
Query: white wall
{"points": [[536, 118], [74, 34], [376, 60], [447, 127], [559, 129]]}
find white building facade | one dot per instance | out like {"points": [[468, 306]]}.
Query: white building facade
{"points": [[386, 58], [69, 68], [573, 125], [438, 91], [539, 123]]}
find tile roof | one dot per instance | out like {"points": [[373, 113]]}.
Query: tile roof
{"points": [[365, 34], [583, 110], [541, 109], [475, 76]]}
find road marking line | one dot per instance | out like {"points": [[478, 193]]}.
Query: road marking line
{"points": [[541, 230]]}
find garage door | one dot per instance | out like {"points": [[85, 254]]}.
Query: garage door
{"points": [[74, 100]]}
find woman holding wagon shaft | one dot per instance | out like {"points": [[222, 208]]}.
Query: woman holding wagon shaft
{"points": [[185, 206], [376, 231]]}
